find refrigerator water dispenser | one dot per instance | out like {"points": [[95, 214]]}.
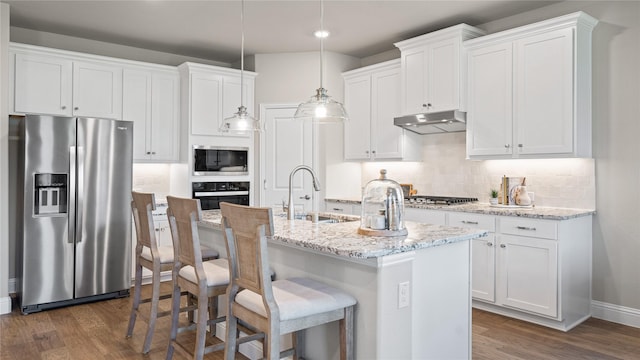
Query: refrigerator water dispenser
{"points": [[50, 194]]}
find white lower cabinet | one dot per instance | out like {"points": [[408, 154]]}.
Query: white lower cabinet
{"points": [[163, 236], [341, 208], [425, 216], [531, 269]]}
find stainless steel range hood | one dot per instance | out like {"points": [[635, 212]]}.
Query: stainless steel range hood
{"points": [[433, 122]]}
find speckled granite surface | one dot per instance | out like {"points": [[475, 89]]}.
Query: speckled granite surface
{"points": [[342, 239], [537, 212]]}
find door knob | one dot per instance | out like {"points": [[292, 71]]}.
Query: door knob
{"points": [[306, 197]]}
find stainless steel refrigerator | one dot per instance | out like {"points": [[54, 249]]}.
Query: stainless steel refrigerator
{"points": [[76, 223]]}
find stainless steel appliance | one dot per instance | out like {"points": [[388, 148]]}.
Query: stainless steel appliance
{"points": [[214, 160], [433, 122], [211, 194], [438, 200], [75, 226]]}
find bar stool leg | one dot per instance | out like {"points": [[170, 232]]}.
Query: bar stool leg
{"points": [[136, 299]]}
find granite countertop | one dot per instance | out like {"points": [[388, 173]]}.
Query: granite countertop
{"points": [[342, 239], [536, 212]]}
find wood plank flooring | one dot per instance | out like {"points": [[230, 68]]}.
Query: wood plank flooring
{"points": [[97, 331]]}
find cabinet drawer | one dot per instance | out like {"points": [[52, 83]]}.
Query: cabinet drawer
{"points": [[425, 216], [338, 207], [475, 221], [529, 227]]}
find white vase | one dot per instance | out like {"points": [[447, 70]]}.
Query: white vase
{"points": [[493, 201]]}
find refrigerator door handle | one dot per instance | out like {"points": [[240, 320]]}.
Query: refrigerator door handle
{"points": [[72, 193], [80, 192]]}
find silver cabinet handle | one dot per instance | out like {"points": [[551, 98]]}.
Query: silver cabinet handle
{"points": [[337, 209], [76, 108], [306, 197], [525, 228], [470, 222], [507, 146], [519, 145], [373, 152], [148, 152], [153, 153], [489, 244], [503, 246], [63, 107]]}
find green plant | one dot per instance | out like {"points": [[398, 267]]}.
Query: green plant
{"points": [[494, 193]]}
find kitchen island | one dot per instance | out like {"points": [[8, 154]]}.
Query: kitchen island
{"points": [[413, 292]]}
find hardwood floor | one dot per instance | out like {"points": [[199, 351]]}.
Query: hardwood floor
{"points": [[97, 331]]}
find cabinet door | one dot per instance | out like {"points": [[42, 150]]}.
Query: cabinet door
{"points": [[489, 104], [544, 93], [42, 85], [414, 80], [163, 232], [97, 90], [443, 75], [483, 271], [136, 107], [165, 115], [357, 131], [231, 100], [528, 274], [386, 138], [206, 103]]}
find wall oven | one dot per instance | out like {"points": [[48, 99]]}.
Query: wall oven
{"points": [[215, 160], [211, 194]]}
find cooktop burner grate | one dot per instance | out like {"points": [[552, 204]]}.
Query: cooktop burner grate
{"points": [[438, 200]]}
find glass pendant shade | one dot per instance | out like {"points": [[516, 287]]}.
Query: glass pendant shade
{"points": [[321, 108], [241, 122]]}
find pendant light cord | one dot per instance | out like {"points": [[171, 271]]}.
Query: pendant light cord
{"points": [[321, 42], [241, 52]]}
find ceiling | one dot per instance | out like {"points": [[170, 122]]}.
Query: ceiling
{"points": [[211, 29]]}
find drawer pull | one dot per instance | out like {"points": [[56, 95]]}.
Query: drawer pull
{"points": [[337, 209], [525, 228], [489, 244], [470, 222], [503, 246]]}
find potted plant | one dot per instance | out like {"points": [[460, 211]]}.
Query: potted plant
{"points": [[494, 197]]}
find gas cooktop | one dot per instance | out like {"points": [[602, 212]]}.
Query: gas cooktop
{"points": [[438, 200]]}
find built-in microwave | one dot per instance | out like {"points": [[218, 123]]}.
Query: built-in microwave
{"points": [[215, 160]]}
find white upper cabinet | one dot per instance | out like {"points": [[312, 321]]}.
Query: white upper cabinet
{"points": [[151, 99], [213, 94], [525, 103], [63, 83], [432, 76], [372, 100], [42, 85], [97, 90]]}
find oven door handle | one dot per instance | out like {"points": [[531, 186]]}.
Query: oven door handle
{"points": [[198, 194]]}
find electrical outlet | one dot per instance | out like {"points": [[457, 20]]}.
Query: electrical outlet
{"points": [[403, 294]]}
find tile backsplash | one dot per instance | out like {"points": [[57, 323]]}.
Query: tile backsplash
{"points": [[567, 183], [152, 178]]}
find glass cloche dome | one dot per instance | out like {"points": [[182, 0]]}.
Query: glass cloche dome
{"points": [[382, 208]]}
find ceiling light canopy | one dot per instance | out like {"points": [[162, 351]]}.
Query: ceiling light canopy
{"points": [[241, 122], [321, 108]]}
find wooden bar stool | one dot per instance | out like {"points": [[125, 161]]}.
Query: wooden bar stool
{"points": [[275, 307], [150, 255], [206, 280]]}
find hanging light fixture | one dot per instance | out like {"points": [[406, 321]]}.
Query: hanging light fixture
{"points": [[241, 122], [321, 108]]}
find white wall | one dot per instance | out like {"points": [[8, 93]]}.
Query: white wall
{"points": [[293, 78], [5, 301], [71, 43]]}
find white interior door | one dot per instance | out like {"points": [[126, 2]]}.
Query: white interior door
{"points": [[287, 143]]}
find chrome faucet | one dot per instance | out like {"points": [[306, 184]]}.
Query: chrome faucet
{"points": [[316, 187]]}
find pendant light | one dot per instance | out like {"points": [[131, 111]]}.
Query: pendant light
{"points": [[321, 108], [241, 122]]}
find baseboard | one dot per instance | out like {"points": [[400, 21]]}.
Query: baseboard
{"points": [[616, 313], [5, 305]]}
